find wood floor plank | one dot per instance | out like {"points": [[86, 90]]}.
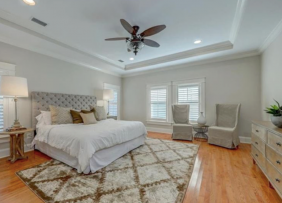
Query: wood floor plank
{"points": [[220, 176]]}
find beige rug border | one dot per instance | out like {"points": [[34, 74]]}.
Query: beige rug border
{"points": [[179, 198]]}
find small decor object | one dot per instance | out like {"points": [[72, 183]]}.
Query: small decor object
{"points": [[201, 120], [276, 114], [15, 87], [201, 132]]}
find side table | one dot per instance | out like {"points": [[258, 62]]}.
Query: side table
{"points": [[17, 144], [201, 132]]}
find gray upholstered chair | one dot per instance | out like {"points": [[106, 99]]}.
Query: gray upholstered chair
{"points": [[225, 131], [182, 130]]}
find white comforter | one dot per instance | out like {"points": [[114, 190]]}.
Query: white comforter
{"points": [[82, 141]]}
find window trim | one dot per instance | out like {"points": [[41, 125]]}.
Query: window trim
{"points": [[117, 88], [168, 104]]}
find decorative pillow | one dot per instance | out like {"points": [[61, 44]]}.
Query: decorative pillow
{"points": [[47, 117], [88, 118], [92, 106], [60, 115], [40, 121], [76, 118], [100, 113]]}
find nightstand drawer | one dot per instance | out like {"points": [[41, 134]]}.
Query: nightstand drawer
{"points": [[274, 157], [275, 142], [260, 132], [258, 143], [274, 175], [258, 156]]}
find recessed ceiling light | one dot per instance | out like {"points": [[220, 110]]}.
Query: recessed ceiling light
{"points": [[29, 2], [198, 42], [131, 59]]}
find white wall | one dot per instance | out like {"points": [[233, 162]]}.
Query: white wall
{"points": [[50, 75], [271, 72], [234, 81]]}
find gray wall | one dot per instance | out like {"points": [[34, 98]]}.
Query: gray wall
{"points": [[271, 82], [49, 75], [233, 81]]}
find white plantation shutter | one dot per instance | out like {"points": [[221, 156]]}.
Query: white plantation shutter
{"points": [[113, 104], [158, 103], [190, 94]]}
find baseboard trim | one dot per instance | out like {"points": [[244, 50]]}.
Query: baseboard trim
{"points": [[245, 140], [6, 152], [159, 130]]}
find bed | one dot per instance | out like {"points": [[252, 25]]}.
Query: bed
{"points": [[86, 148]]}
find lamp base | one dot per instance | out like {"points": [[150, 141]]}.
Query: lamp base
{"points": [[16, 126]]}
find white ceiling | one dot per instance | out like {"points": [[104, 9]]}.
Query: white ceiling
{"points": [[76, 30]]}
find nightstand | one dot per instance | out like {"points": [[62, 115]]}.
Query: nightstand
{"points": [[17, 144], [112, 117]]}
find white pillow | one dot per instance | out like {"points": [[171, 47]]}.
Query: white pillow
{"points": [[47, 117], [40, 121]]}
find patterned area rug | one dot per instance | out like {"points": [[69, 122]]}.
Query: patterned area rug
{"points": [[157, 172]]}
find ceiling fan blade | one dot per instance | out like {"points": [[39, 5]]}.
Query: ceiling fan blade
{"points": [[151, 43], [128, 50], [127, 26], [117, 38], [153, 30]]}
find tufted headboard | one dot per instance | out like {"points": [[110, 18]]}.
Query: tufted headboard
{"points": [[42, 100]]}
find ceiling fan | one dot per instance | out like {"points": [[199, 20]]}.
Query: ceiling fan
{"points": [[137, 41]]}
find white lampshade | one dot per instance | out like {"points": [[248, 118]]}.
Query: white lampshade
{"points": [[11, 86], [100, 103], [108, 94]]}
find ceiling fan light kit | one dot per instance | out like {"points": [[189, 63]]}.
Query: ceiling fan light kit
{"points": [[137, 41]]}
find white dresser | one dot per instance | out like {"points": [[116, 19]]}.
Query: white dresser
{"points": [[267, 152]]}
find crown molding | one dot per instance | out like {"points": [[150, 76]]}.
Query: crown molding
{"points": [[271, 37], [196, 63], [240, 9], [182, 55]]}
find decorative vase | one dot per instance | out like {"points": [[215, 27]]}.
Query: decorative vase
{"points": [[201, 120], [277, 121]]}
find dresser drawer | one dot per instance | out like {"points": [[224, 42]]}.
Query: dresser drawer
{"points": [[259, 157], [259, 131], [274, 175], [274, 157], [275, 142], [258, 143]]}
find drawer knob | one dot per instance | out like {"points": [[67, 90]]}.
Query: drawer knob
{"points": [[256, 155], [277, 180], [278, 144], [278, 162], [256, 142], [257, 131]]}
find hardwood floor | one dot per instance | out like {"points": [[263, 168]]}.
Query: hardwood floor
{"points": [[220, 176]]}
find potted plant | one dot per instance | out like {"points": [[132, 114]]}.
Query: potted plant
{"points": [[276, 114]]}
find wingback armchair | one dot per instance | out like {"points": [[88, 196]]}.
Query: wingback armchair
{"points": [[182, 130], [225, 131]]}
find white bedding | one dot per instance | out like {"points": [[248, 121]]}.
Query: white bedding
{"points": [[82, 141]]}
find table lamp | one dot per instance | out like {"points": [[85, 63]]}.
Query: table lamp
{"points": [[15, 87], [108, 95]]}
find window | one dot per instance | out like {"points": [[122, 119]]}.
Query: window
{"points": [[158, 99], [114, 104], [161, 96], [5, 69], [190, 94], [158, 104]]}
